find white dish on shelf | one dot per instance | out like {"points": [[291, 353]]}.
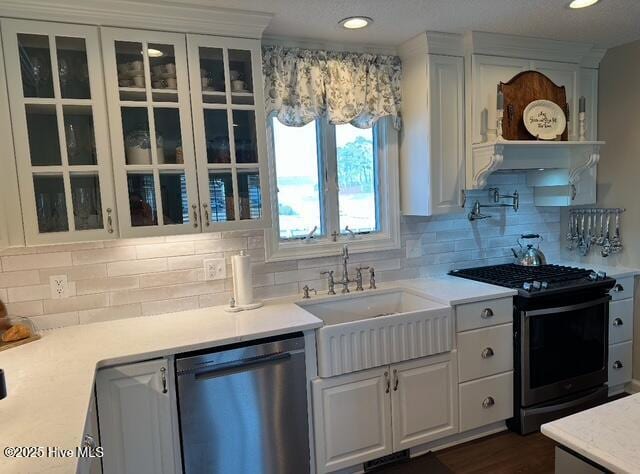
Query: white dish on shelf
{"points": [[544, 119]]}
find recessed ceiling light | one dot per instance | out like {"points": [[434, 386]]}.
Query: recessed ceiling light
{"points": [[154, 53], [355, 22], [582, 3]]}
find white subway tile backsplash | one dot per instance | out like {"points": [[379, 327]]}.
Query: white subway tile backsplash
{"points": [[134, 277], [170, 306], [137, 267], [115, 254], [33, 261]]}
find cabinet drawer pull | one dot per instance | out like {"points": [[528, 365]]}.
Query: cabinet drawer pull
{"points": [[618, 288], [486, 313], [396, 380], [488, 402], [195, 215], [205, 213], [617, 365], [618, 322], [487, 352], [109, 221], [387, 382], [163, 376]]}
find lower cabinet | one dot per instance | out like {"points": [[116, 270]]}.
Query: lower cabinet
{"points": [[135, 420], [372, 413]]}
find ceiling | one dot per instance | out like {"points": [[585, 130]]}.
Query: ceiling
{"points": [[608, 23]]}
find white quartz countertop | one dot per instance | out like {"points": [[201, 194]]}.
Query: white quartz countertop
{"points": [[608, 435], [452, 290], [50, 381]]}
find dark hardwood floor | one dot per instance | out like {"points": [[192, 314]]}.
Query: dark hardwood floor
{"points": [[502, 453]]}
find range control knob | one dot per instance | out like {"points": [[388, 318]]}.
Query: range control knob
{"points": [[545, 285], [537, 285], [593, 276], [602, 275], [526, 286]]}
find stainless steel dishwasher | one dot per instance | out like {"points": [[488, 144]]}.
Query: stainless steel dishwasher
{"points": [[243, 408]]}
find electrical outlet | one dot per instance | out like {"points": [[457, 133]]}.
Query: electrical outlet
{"points": [[58, 285], [215, 269]]}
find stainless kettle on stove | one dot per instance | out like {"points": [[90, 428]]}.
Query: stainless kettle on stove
{"points": [[530, 256]]}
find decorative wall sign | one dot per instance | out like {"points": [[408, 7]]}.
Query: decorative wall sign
{"points": [[544, 119]]}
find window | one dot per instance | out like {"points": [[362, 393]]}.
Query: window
{"points": [[333, 184]]}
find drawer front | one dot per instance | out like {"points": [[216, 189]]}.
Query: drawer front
{"points": [[486, 401], [485, 352], [620, 356], [623, 288], [620, 321], [484, 313]]}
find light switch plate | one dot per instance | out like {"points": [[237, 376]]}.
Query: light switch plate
{"points": [[215, 269], [58, 286]]}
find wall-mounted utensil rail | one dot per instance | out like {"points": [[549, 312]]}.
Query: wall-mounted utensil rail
{"points": [[590, 227]]}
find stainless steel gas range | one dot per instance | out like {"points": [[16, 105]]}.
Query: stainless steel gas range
{"points": [[560, 335]]}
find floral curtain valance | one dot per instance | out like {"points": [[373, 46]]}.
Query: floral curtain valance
{"points": [[302, 85]]}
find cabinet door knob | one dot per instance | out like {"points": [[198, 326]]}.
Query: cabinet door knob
{"points": [[487, 352], [617, 365], [163, 377], [488, 402], [618, 322], [396, 380], [109, 221], [618, 288], [486, 313], [387, 382]]}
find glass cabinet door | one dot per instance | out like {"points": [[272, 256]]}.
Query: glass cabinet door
{"points": [[229, 130], [151, 132], [60, 131]]}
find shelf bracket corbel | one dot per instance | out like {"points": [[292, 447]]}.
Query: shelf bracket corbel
{"points": [[592, 160], [486, 160]]}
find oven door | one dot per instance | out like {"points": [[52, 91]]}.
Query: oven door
{"points": [[564, 350]]}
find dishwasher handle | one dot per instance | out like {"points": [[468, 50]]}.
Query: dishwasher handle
{"points": [[243, 365]]}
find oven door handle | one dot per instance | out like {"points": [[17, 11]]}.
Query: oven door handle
{"points": [[566, 309]]}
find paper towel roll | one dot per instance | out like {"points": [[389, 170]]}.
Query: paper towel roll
{"points": [[242, 279]]}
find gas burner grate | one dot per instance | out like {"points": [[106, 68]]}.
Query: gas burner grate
{"points": [[514, 276]]}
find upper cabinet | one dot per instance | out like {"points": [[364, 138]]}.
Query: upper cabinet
{"points": [[229, 127], [151, 133], [432, 153], [60, 131], [164, 90]]}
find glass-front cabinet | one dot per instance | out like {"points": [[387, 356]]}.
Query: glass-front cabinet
{"points": [[147, 81], [60, 131], [229, 130]]}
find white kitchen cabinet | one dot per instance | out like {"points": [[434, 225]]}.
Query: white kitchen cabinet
{"points": [[59, 123], [91, 462], [151, 133], [352, 418], [485, 401], [136, 426], [424, 400], [368, 414], [432, 138], [621, 310], [229, 126], [487, 73]]}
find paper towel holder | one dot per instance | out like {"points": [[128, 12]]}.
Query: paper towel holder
{"points": [[240, 301]]}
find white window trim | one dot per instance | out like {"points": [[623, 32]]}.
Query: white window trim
{"points": [[387, 238]]}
